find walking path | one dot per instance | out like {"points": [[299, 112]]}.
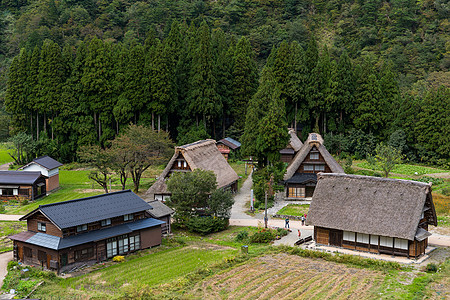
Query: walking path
{"points": [[5, 167], [4, 217], [4, 259]]}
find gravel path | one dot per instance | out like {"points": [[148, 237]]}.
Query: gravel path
{"points": [[5, 167], [4, 259], [241, 199]]}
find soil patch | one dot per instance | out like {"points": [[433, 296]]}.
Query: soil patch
{"points": [[283, 276]]}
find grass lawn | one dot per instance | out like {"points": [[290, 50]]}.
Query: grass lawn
{"points": [[406, 169], [9, 228], [239, 168], [294, 210], [4, 156]]}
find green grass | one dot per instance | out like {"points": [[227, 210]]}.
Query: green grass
{"points": [[4, 156], [406, 169], [294, 210], [239, 168], [9, 228]]}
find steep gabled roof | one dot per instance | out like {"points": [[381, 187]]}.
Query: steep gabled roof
{"points": [[314, 139], [19, 177], [45, 161], [199, 155], [232, 143], [159, 209], [294, 141], [91, 209], [370, 205]]}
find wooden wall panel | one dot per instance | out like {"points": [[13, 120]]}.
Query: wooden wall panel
{"points": [[150, 237]]}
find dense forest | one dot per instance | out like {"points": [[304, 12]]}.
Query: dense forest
{"points": [[76, 73]]}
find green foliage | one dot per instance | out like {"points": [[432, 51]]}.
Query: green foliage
{"points": [[263, 236], [431, 268], [242, 236], [433, 180], [387, 157], [219, 203], [206, 225]]}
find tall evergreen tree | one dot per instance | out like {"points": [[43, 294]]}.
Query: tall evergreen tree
{"points": [[245, 80], [296, 84]]}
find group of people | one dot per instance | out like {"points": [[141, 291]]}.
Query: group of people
{"points": [[286, 221]]}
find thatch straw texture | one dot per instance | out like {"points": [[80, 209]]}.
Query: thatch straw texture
{"points": [[304, 151], [294, 141], [199, 155], [370, 205]]}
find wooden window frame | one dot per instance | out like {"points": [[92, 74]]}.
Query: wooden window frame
{"points": [[106, 222], [81, 228], [128, 217], [83, 254], [42, 226]]}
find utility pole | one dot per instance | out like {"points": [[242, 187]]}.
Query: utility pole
{"points": [[266, 219]]}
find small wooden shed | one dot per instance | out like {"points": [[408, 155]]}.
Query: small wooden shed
{"points": [[163, 213], [49, 167], [227, 145], [372, 214], [18, 184]]}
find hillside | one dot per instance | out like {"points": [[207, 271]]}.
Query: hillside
{"points": [[85, 69]]}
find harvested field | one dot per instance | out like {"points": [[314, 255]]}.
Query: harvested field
{"points": [[284, 276]]}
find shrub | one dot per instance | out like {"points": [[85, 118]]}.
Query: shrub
{"points": [[263, 236], [23, 201], [119, 258], [242, 236], [445, 191], [368, 173], [433, 180], [282, 231], [431, 268], [12, 264], [2, 209], [206, 225]]}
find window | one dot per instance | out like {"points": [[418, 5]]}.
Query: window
{"points": [[134, 243], [308, 167], [106, 222], [128, 217], [23, 192], [296, 192], [362, 238], [320, 167], [42, 227], [123, 244], [386, 241], [7, 192], [111, 247], [81, 227], [28, 252], [184, 164], [84, 254], [349, 236], [179, 164], [314, 155], [401, 244], [374, 239]]}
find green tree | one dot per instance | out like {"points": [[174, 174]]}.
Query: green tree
{"points": [[219, 204], [100, 160], [386, 157]]}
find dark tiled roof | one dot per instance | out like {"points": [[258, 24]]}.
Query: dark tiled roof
{"points": [[91, 209], [302, 178], [232, 143], [159, 209], [19, 177], [57, 243], [47, 162]]}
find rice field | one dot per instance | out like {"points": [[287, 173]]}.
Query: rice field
{"points": [[283, 276], [406, 169]]}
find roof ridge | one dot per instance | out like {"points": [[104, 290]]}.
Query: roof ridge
{"points": [[42, 157], [82, 199], [373, 178]]}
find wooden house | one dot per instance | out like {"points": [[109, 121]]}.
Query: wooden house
{"points": [[163, 213], [199, 155], [301, 174], [379, 215], [25, 185], [227, 145], [48, 167], [70, 233], [295, 144]]}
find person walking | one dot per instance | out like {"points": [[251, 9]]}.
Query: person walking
{"points": [[286, 223], [299, 233], [303, 220]]}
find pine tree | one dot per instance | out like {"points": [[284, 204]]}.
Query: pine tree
{"points": [[368, 112], [203, 99], [245, 80]]}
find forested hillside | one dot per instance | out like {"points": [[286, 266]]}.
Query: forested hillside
{"points": [[360, 72]]}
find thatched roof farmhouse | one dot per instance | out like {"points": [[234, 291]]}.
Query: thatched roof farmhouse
{"points": [[294, 145], [199, 155], [301, 174], [380, 215]]}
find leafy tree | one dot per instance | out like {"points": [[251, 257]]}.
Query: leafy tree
{"points": [[145, 147], [219, 204], [190, 191], [100, 160], [24, 148], [387, 157]]}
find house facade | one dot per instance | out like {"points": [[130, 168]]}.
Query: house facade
{"points": [[163, 213], [199, 155], [301, 174], [48, 167], [295, 144], [378, 215], [62, 235], [22, 185], [227, 145]]}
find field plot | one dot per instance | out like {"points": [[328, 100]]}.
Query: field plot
{"points": [[283, 276]]}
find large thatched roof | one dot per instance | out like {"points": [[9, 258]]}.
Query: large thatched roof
{"points": [[314, 139], [294, 141], [370, 205], [199, 155]]}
